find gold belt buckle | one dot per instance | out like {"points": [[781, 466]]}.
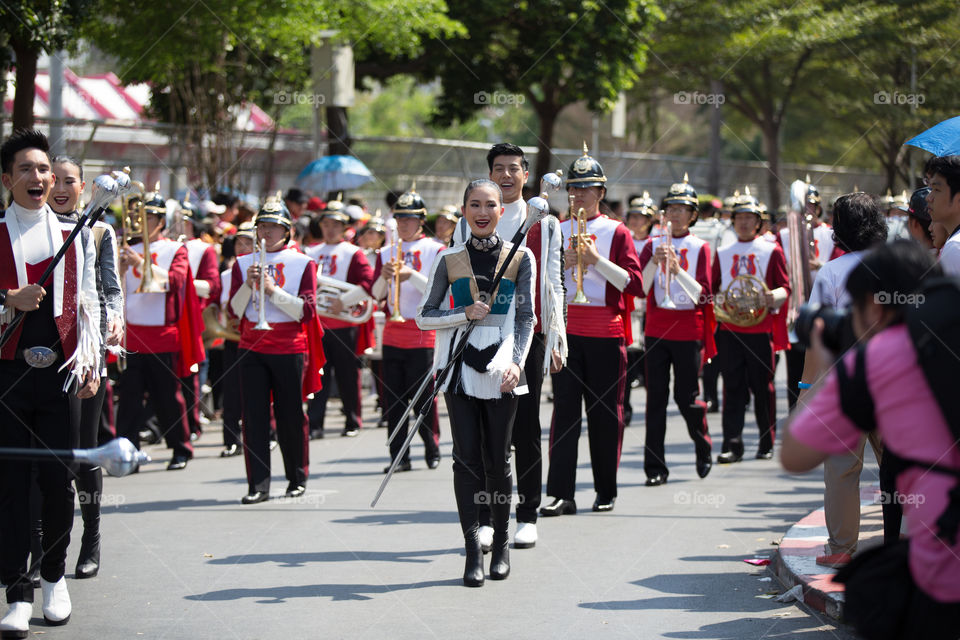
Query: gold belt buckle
{"points": [[39, 357]]}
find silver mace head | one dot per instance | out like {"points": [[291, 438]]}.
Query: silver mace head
{"points": [[537, 206], [119, 457], [551, 182], [122, 179], [105, 189]]}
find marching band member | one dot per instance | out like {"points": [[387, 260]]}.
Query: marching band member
{"points": [[371, 238], [596, 338], [51, 362], [446, 222], [746, 352], [204, 265], [164, 330], [63, 200], [340, 260], [480, 390], [548, 348], [821, 250], [281, 362], [679, 327], [641, 212], [407, 351], [244, 243]]}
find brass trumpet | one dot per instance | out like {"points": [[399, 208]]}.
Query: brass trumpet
{"points": [[665, 275], [397, 265], [261, 299], [581, 235]]}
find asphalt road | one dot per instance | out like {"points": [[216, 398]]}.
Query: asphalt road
{"points": [[182, 558]]}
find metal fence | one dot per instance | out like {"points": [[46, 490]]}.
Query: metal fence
{"points": [[440, 168]]}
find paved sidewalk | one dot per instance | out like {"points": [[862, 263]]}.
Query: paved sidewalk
{"points": [[182, 558], [795, 562]]}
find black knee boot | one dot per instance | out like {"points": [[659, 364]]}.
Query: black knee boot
{"points": [[500, 513], [473, 567], [466, 489], [89, 487]]}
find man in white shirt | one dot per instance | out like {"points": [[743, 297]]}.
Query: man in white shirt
{"points": [[859, 224], [943, 178]]}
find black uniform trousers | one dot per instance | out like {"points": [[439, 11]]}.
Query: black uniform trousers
{"points": [[481, 432], [230, 382], [280, 376], [746, 362], [35, 412], [90, 480], [403, 373], [153, 373], [685, 357], [527, 433], [339, 347], [795, 357], [595, 375], [711, 373], [190, 388]]}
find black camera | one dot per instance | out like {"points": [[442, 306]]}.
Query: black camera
{"points": [[837, 326]]}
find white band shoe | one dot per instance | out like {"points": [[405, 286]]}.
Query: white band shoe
{"points": [[526, 536], [56, 601], [16, 624]]}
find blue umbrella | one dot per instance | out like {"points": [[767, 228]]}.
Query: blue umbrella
{"points": [[333, 173], [940, 140]]}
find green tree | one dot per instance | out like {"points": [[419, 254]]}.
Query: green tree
{"points": [[762, 51], [205, 60], [26, 30], [894, 87], [546, 53]]}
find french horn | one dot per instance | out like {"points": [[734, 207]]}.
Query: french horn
{"points": [[743, 303]]}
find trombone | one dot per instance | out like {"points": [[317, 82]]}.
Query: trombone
{"points": [[261, 299], [581, 235], [397, 265]]}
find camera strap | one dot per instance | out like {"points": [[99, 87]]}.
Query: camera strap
{"points": [[855, 398]]}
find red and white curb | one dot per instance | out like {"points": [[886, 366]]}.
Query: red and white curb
{"points": [[796, 559]]}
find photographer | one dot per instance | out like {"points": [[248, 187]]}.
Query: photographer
{"points": [[858, 224], [911, 588]]}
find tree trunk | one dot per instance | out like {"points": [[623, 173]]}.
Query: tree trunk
{"points": [[26, 85], [338, 135], [771, 142], [547, 114]]}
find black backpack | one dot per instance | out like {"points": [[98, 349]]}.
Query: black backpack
{"points": [[934, 327]]}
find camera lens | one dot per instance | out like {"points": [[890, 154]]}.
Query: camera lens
{"points": [[837, 327]]}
